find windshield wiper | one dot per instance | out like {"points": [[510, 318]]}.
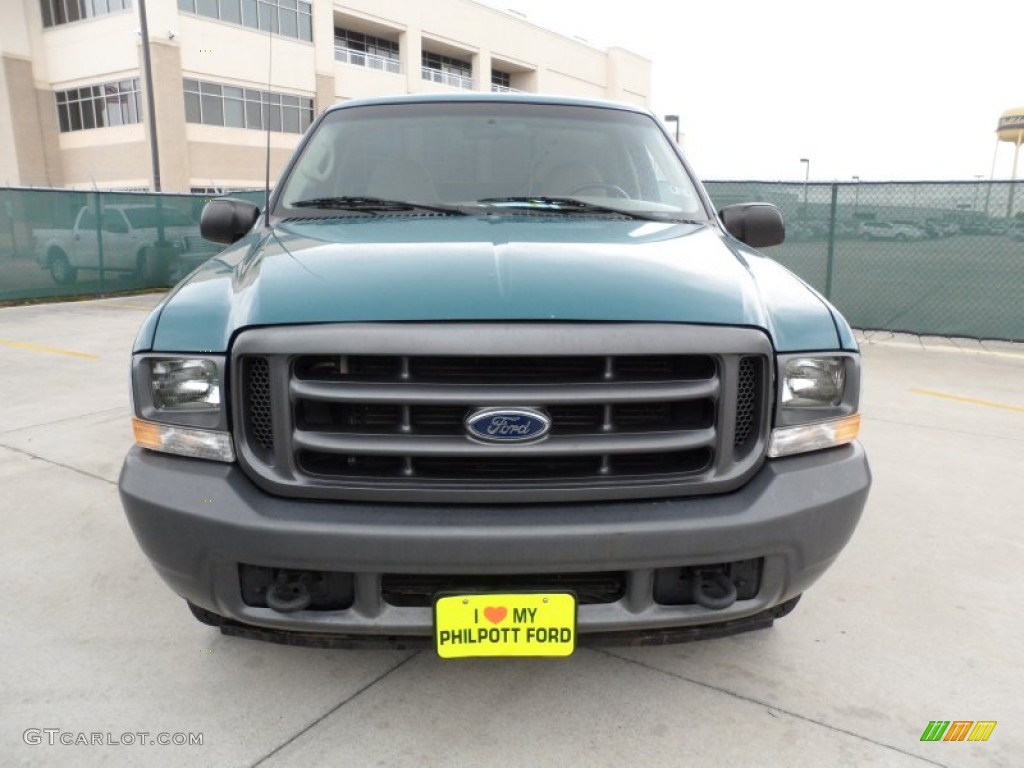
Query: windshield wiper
{"points": [[566, 205], [373, 205]]}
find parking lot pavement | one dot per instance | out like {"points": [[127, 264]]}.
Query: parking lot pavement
{"points": [[917, 621]]}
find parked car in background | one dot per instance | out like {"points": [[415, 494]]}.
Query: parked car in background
{"points": [[124, 239], [891, 230], [797, 230], [974, 227], [845, 230]]}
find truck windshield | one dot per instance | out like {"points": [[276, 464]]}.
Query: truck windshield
{"points": [[490, 156]]}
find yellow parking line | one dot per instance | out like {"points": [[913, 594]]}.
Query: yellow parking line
{"points": [[49, 350], [971, 400]]}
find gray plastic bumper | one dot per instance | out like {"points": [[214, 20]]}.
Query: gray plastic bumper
{"points": [[197, 520]]}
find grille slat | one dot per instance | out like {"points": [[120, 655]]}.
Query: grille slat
{"points": [[420, 445], [392, 426], [554, 394], [382, 419], [505, 370]]}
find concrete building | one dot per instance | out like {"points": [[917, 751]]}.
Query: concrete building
{"points": [[72, 88]]}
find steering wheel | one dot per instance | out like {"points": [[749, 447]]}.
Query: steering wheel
{"points": [[614, 188]]}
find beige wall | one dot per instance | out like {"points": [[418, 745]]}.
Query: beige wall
{"points": [[222, 52], [35, 62], [28, 130], [87, 51], [226, 165], [352, 82], [120, 164], [165, 57], [9, 167]]}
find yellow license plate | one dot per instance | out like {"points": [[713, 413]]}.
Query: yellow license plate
{"points": [[519, 624]]}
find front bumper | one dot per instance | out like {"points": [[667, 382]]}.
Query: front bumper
{"points": [[198, 520]]}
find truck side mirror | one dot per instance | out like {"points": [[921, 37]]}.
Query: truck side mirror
{"points": [[227, 220], [756, 224]]}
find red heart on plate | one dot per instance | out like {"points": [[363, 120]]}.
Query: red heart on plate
{"points": [[495, 615]]}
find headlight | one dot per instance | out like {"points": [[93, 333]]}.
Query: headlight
{"points": [[178, 406], [185, 384], [813, 381], [817, 403]]}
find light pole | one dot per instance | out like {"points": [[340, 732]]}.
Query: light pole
{"points": [[856, 197], [807, 176], [974, 203], [147, 67], [673, 119]]}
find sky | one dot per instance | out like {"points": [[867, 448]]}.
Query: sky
{"points": [[896, 90]]}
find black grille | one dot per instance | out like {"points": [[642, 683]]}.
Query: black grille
{"points": [[505, 467], [344, 398], [373, 418], [258, 418], [403, 590], [392, 427], [505, 370], [748, 391]]}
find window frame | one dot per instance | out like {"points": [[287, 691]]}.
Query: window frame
{"points": [[258, 15], [73, 114], [270, 106], [57, 13]]}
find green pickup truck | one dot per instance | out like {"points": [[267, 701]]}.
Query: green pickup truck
{"points": [[491, 375]]}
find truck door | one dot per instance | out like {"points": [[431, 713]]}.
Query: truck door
{"points": [[119, 246], [84, 245]]}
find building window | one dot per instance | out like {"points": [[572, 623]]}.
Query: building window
{"points": [[234, 107], [444, 69], [98, 106], [57, 12], [290, 18], [366, 50], [501, 82]]}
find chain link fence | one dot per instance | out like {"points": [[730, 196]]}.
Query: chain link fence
{"points": [[942, 259], [927, 258]]}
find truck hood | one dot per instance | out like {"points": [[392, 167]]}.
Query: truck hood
{"points": [[528, 267]]}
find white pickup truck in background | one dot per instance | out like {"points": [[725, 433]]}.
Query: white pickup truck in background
{"points": [[125, 242]]}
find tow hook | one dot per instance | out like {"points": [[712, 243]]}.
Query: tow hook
{"points": [[290, 592], [713, 590]]}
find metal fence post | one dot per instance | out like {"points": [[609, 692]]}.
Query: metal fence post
{"points": [[99, 241], [831, 240]]}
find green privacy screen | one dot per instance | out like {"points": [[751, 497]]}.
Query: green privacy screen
{"points": [[60, 243], [928, 258]]}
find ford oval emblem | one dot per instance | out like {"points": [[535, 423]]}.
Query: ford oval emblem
{"points": [[508, 425]]}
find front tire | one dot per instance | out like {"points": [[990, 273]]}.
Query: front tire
{"points": [[61, 270]]}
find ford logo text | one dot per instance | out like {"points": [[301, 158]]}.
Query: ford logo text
{"points": [[508, 425]]}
